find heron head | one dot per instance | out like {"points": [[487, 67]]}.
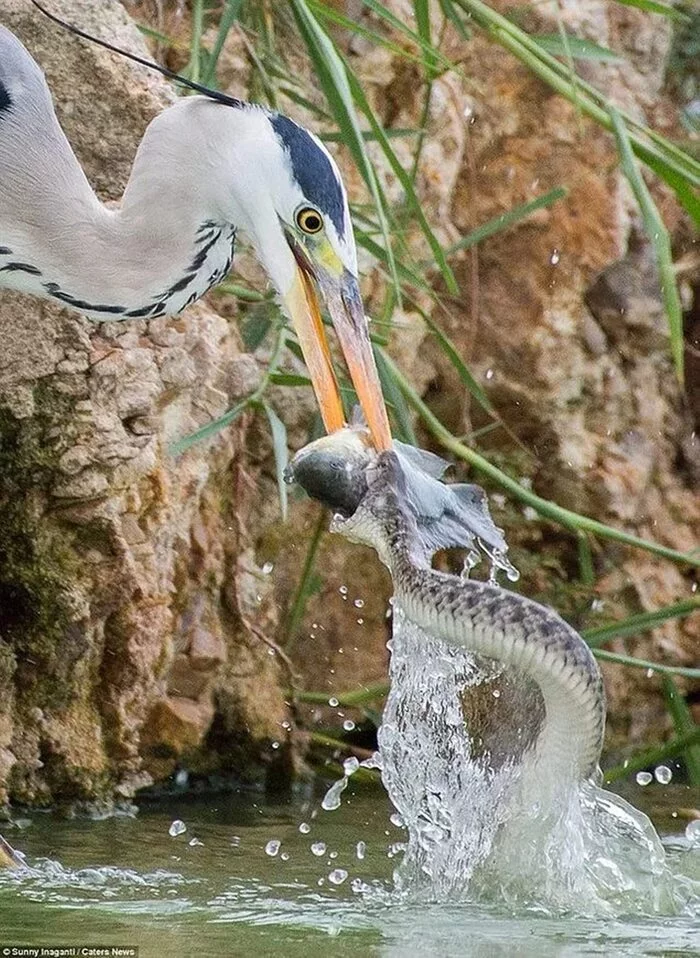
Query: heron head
{"points": [[299, 221]]}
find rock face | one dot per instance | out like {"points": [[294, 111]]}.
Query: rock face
{"points": [[136, 620], [120, 594]]}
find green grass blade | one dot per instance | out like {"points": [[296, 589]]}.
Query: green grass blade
{"points": [[545, 507], [333, 78], [395, 398], [279, 448], [368, 693], [505, 220], [594, 103], [654, 6], [576, 47], [684, 724], [621, 659], [660, 240], [412, 200], [229, 16], [421, 11], [465, 375], [686, 195], [642, 622], [652, 756], [321, 9], [211, 429], [307, 583]]}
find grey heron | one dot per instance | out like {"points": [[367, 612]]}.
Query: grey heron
{"points": [[207, 167]]}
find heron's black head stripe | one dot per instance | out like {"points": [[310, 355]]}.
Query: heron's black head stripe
{"points": [[312, 169], [5, 99]]}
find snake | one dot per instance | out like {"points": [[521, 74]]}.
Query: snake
{"points": [[395, 502]]}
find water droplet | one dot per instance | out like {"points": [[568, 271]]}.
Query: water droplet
{"points": [[650, 673], [360, 621], [643, 778], [396, 819], [359, 603], [272, 847], [357, 885], [692, 832], [374, 761], [360, 850], [348, 725], [471, 561], [333, 855], [285, 856], [182, 777], [343, 590], [331, 800], [318, 849], [177, 828], [351, 765], [663, 774], [275, 745], [337, 876], [555, 257], [333, 702], [193, 842], [267, 568], [496, 693], [489, 373], [305, 828]]}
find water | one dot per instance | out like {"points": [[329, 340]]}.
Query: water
{"points": [[483, 820], [127, 881]]}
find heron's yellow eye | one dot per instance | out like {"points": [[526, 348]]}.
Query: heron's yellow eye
{"points": [[309, 220]]}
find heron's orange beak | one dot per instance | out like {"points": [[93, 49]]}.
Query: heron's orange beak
{"points": [[341, 293]]}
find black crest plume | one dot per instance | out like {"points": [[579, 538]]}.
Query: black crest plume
{"points": [[150, 64]]}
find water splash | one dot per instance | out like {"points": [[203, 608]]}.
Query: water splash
{"points": [[454, 761]]}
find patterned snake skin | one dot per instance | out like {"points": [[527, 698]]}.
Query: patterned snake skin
{"points": [[529, 638]]}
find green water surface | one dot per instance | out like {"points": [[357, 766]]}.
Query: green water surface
{"points": [[127, 881]]}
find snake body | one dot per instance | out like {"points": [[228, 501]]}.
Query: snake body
{"points": [[528, 638]]}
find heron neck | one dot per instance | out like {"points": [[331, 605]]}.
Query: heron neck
{"points": [[57, 240]]}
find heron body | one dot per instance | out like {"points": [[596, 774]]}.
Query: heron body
{"points": [[204, 171]]}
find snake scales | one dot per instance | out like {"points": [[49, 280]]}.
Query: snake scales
{"points": [[394, 502]]}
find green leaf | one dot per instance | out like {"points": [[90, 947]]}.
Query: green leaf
{"points": [[279, 448], [660, 240], [576, 47], [255, 328]]}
